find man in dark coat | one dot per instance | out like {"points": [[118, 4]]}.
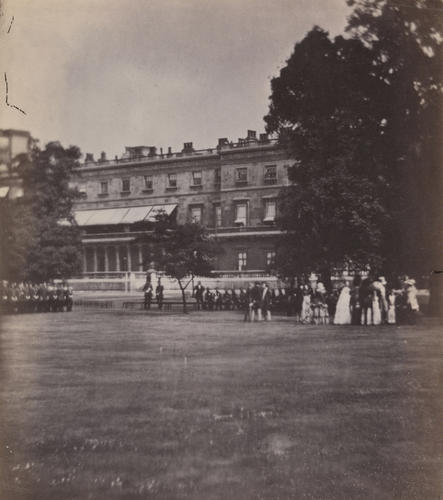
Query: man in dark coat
{"points": [[147, 288], [159, 294], [198, 294]]}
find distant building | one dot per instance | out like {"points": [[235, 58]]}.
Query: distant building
{"points": [[231, 189], [12, 144]]}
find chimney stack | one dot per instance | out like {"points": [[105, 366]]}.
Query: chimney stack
{"points": [[252, 135], [187, 147], [103, 156], [89, 158], [169, 151]]}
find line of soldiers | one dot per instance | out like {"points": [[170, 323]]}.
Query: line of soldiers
{"points": [[18, 298], [255, 300]]}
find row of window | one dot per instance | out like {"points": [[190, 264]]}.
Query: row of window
{"points": [[242, 259], [241, 179], [241, 215]]}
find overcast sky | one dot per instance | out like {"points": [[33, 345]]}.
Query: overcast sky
{"points": [[103, 74]]}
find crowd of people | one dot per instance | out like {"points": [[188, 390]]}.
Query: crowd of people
{"points": [[359, 302], [17, 298]]}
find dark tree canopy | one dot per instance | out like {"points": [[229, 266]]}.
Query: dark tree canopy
{"points": [[361, 116], [40, 240]]}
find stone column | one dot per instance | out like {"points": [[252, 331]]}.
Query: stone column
{"points": [[128, 253], [85, 263], [106, 259], [140, 258], [95, 258], [117, 258]]}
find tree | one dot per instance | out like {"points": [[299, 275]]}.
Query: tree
{"points": [[362, 116], [322, 109], [181, 251], [406, 41], [40, 238]]}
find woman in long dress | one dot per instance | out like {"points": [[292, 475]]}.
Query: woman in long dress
{"points": [[391, 308], [306, 313], [376, 309], [343, 309]]}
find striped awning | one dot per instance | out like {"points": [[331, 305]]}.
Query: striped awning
{"points": [[123, 215]]}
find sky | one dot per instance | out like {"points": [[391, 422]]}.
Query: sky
{"points": [[105, 74]]}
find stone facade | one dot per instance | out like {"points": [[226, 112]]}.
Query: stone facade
{"points": [[231, 189]]}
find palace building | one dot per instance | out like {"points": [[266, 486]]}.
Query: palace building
{"points": [[230, 189]]}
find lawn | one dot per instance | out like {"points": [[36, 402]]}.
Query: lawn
{"points": [[113, 405]]}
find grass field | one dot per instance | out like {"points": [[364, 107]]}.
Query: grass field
{"points": [[119, 405]]}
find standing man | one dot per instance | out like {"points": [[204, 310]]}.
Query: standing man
{"points": [[148, 294], [159, 294], [198, 294], [265, 302]]}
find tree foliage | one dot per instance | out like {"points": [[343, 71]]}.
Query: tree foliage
{"points": [[361, 117], [40, 240]]}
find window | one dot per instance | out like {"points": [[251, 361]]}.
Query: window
{"points": [[217, 215], [82, 190], [270, 211], [126, 185], [270, 175], [270, 258], [104, 187], [148, 181], [241, 175], [217, 177], [241, 213], [196, 215], [242, 260], [172, 180], [197, 178]]}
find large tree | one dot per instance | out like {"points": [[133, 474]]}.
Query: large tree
{"points": [[40, 240], [361, 115], [322, 109]]}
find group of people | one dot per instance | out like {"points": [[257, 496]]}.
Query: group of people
{"points": [[148, 290], [361, 301], [17, 298], [373, 302], [255, 300]]}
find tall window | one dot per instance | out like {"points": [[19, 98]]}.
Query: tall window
{"points": [[217, 215], [270, 174], [242, 260], [270, 211], [241, 175], [196, 215], [241, 214], [197, 178], [148, 181], [172, 180], [217, 176], [126, 185], [270, 258], [104, 187]]}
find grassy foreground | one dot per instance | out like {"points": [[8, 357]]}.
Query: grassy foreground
{"points": [[119, 405]]}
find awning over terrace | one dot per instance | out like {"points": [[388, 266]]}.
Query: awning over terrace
{"points": [[124, 215]]}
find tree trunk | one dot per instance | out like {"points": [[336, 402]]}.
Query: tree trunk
{"points": [[185, 309]]}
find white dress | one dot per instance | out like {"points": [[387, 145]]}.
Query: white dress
{"points": [[343, 309], [376, 310], [391, 309]]}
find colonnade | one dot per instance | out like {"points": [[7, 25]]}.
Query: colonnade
{"points": [[112, 257]]}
